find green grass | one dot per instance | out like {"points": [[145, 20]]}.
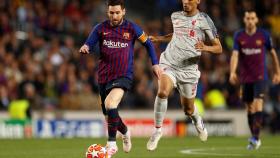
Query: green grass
{"points": [[215, 147]]}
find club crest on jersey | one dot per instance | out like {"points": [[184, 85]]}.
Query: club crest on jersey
{"points": [[192, 33], [126, 35], [258, 42], [242, 42]]}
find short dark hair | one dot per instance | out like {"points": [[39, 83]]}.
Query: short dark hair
{"points": [[116, 2], [249, 11]]}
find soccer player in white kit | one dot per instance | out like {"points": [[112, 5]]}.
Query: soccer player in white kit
{"points": [[180, 64]]}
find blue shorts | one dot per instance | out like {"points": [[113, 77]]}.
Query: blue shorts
{"points": [[104, 89], [253, 90]]}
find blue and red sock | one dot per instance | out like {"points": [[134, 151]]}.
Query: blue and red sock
{"points": [[250, 121], [257, 125], [113, 123], [122, 127]]}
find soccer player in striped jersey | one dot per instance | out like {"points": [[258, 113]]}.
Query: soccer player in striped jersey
{"points": [[180, 64], [249, 52], [116, 38]]}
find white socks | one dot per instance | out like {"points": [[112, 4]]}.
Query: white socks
{"points": [[160, 108], [111, 143]]}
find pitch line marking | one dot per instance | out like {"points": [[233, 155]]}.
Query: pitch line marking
{"points": [[205, 151]]}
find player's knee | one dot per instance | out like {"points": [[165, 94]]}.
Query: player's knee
{"points": [[163, 94], [258, 104], [110, 104]]}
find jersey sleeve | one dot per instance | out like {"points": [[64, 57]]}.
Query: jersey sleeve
{"points": [[268, 41], [143, 38], [93, 37], [236, 45], [140, 34], [209, 27]]}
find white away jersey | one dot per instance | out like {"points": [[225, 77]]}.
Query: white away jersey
{"points": [[187, 31]]}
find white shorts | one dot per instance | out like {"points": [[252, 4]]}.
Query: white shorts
{"points": [[185, 81]]}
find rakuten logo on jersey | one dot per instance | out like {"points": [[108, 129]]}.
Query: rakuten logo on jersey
{"points": [[251, 51], [112, 44]]}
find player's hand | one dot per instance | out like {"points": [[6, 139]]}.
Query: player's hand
{"points": [[154, 39], [276, 79], [233, 79], [157, 71], [200, 46], [84, 49]]}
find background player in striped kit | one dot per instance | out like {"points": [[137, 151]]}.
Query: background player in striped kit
{"points": [[250, 45], [116, 38], [179, 63]]}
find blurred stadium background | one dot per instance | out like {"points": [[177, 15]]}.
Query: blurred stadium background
{"points": [[41, 68]]}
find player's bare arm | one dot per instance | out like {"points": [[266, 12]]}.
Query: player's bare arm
{"points": [[151, 51], [233, 79], [158, 39], [276, 75], [84, 49], [215, 48]]}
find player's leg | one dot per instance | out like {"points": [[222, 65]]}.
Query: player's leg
{"points": [[116, 91], [258, 117], [247, 98], [256, 111], [122, 127], [259, 90], [255, 120], [101, 99], [253, 98], [103, 95], [111, 103], [188, 93], [165, 86], [126, 136], [250, 113]]}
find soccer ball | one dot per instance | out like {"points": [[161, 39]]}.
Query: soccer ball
{"points": [[96, 151]]}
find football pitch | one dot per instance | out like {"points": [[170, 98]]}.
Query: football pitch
{"points": [[187, 147]]}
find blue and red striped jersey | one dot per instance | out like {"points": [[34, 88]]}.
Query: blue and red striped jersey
{"points": [[116, 49], [252, 49]]}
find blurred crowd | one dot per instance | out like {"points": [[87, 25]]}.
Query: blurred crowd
{"points": [[39, 42]]}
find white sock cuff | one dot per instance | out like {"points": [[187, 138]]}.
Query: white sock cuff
{"points": [[111, 143], [160, 108], [161, 100], [158, 129], [160, 104]]}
